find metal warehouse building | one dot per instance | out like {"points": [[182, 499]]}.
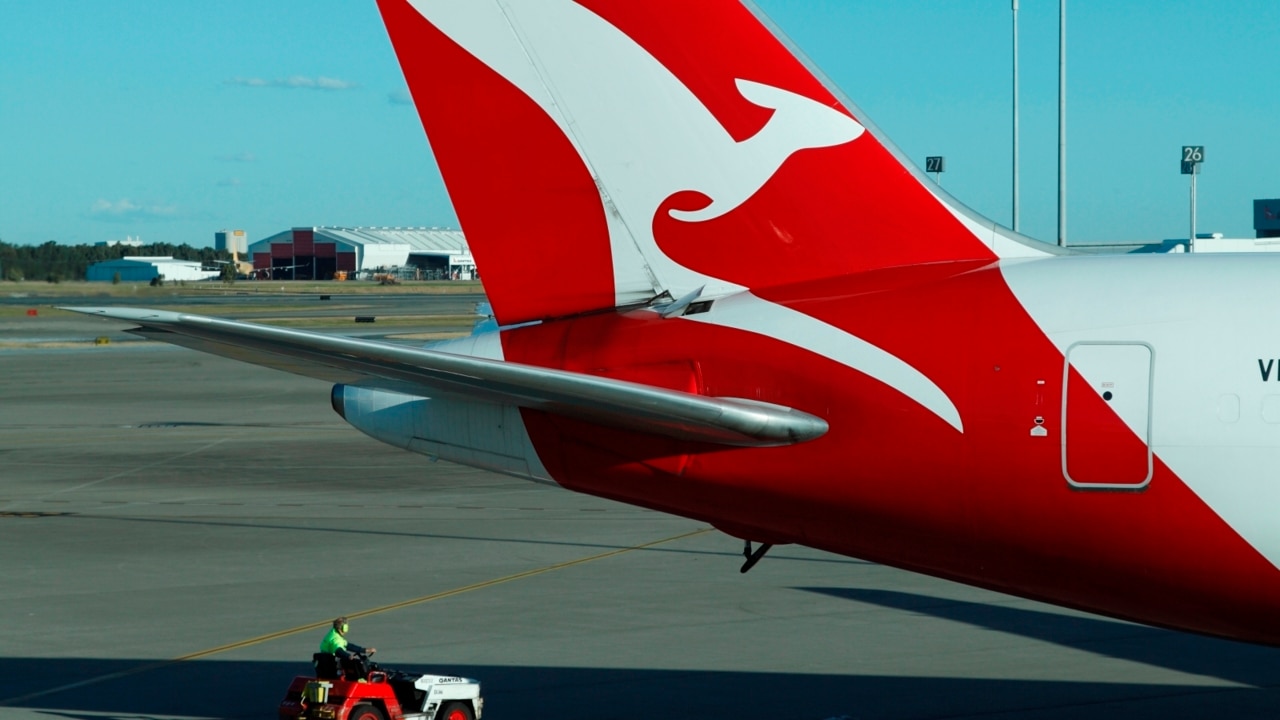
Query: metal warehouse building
{"points": [[316, 253], [135, 268]]}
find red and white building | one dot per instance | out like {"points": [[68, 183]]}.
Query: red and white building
{"points": [[316, 253]]}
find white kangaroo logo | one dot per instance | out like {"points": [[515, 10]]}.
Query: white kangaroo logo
{"points": [[798, 123], [644, 136], [641, 132]]}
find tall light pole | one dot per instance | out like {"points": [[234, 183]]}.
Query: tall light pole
{"points": [[1192, 156], [1062, 123], [1015, 115]]}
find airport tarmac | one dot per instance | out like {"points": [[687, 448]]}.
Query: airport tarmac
{"points": [[178, 529], [393, 315]]}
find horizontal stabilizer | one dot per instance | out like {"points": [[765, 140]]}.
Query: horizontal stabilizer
{"points": [[616, 403]]}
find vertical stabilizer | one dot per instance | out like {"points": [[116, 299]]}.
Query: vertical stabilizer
{"points": [[602, 153]]}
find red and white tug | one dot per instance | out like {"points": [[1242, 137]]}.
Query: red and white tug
{"points": [[363, 691]]}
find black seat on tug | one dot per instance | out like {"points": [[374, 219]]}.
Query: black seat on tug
{"points": [[326, 665]]}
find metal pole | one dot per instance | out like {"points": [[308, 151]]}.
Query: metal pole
{"points": [[1015, 115], [1062, 123], [1191, 239]]}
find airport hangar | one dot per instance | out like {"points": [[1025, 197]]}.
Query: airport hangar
{"points": [[318, 253]]}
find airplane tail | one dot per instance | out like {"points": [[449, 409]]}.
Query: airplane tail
{"points": [[603, 153]]}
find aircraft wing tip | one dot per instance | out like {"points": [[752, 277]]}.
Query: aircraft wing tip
{"points": [[125, 313]]}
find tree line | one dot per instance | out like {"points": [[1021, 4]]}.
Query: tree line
{"points": [[54, 262]]}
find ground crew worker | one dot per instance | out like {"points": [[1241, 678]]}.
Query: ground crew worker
{"points": [[335, 642]]}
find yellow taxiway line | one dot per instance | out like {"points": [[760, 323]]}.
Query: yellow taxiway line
{"points": [[363, 613]]}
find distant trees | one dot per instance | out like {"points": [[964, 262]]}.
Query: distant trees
{"points": [[52, 260]]}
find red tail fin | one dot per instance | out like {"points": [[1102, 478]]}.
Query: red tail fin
{"points": [[605, 152]]}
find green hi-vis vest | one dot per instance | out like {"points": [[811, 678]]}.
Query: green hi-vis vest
{"points": [[333, 642]]}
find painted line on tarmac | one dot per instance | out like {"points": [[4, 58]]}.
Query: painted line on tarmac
{"points": [[363, 613], [203, 503], [148, 466]]}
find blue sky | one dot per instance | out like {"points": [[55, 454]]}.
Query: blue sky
{"points": [[170, 120]]}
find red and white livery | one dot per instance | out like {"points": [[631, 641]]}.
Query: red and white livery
{"points": [[768, 321]]}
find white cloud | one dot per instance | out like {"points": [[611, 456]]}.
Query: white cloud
{"points": [[400, 97], [325, 83], [295, 82], [125, 209]]}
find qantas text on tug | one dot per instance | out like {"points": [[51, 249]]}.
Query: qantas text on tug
{"points": [[725, 296]]}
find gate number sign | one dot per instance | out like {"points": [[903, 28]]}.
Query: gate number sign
{"points": [[1192, 156], [934, 164]]}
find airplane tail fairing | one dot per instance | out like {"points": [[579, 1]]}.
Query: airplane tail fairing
{"points": [[602, 153], [828, 352]]}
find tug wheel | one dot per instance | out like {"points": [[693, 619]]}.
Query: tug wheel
{"points": [[365, 711], [456, 711]]}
